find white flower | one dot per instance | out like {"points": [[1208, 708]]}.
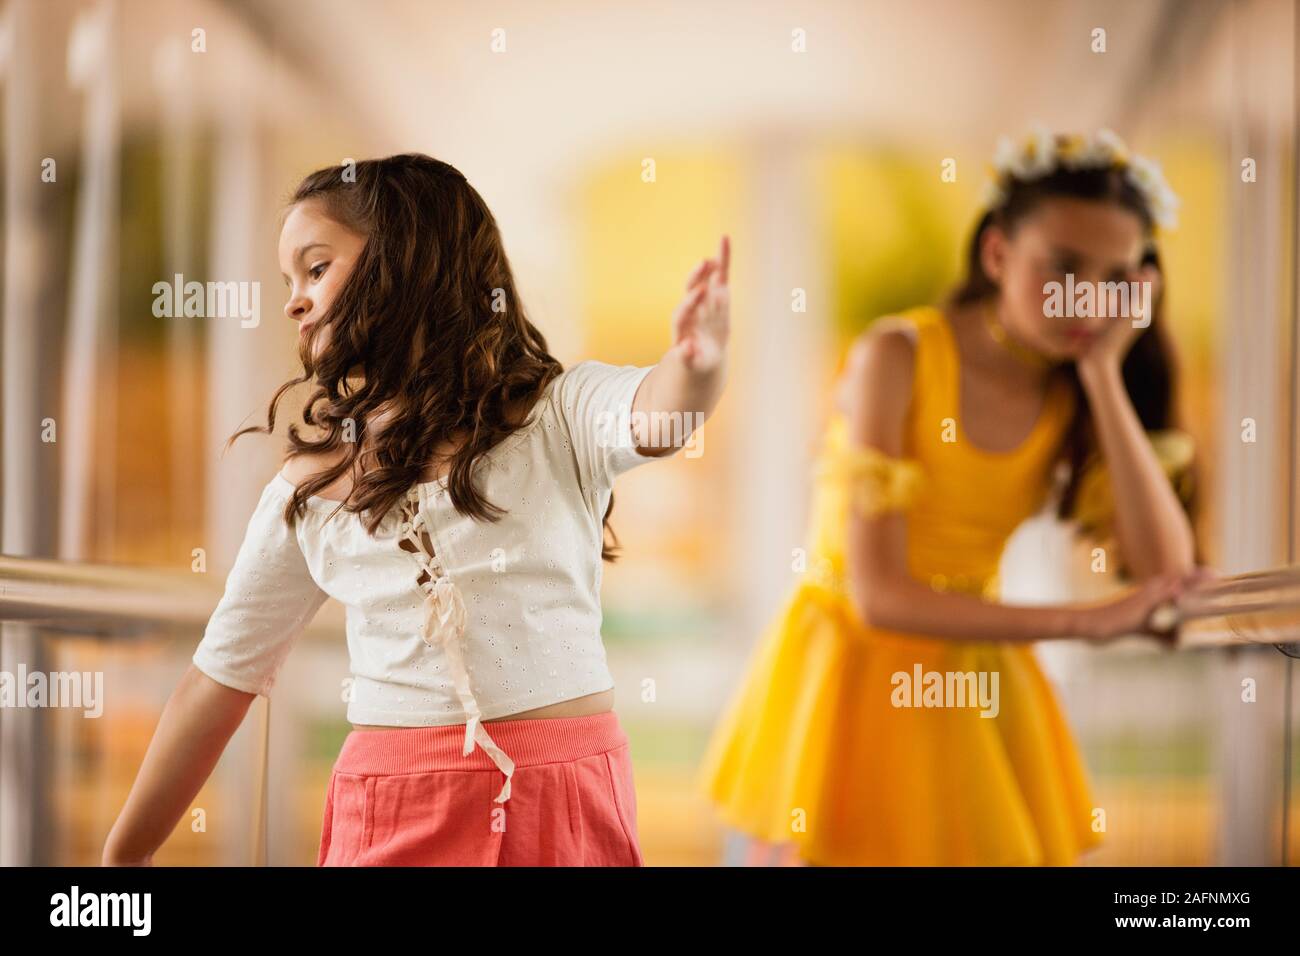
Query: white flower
{"points": [[1005, 156], [1041, 153], [1031, 160], [1039, 156], [1146, 177], [1109, 147], [992, 195]]}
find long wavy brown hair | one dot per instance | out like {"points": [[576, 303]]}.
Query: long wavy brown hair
{"points": [[1149, 369], [427, 335]]}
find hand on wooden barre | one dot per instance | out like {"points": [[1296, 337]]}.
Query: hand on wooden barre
{"points": [[1164, 620], [1259, 607]]}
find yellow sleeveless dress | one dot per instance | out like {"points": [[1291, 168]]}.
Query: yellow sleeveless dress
{"points": [[812, 749]]}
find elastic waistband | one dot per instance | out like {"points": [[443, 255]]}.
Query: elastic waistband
{"points": [[528, 742]]}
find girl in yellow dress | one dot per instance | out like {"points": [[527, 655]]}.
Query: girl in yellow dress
{"points": [[894, 712]]}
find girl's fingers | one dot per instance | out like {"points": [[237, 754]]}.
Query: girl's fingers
{"points": [[697, 273], [1162, 587], [720, 266], [689, 303], [710, 267]]}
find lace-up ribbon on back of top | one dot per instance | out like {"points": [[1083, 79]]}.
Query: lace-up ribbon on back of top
{"points": [[444, 626]]}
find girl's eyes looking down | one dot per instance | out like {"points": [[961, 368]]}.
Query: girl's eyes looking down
{"points": [[315, 272], [1064, 264]]}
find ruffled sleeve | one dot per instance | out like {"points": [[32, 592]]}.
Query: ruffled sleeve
{"points": [[875, 482], [1094, 506]]}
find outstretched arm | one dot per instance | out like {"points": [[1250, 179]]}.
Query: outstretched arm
{"points": [[687, 382]]}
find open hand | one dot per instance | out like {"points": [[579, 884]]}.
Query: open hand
{"points": [[1112, 345], [702, 322]]}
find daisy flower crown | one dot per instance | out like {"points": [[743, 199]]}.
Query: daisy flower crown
{"points": [[1043, 153]]}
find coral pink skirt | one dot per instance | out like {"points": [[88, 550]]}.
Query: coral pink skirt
{"points": [[408, 797]]}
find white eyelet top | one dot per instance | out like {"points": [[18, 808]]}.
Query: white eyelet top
{"points": [[493, 619]]}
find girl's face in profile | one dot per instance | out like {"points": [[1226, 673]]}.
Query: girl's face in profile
{"points": [[1096, 241], [316, 256]]}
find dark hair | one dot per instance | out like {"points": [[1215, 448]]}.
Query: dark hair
{"points": [[420, 316], [1149, 370]]}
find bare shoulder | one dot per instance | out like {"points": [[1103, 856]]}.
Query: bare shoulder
{"points": [[879, 369], [298, 468]]}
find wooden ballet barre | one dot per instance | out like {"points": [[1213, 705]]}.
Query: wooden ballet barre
{"points": [[109, 600], [1260, 607]]}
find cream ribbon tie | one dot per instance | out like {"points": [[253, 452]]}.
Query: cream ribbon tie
{"points": [[444, 626]]}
